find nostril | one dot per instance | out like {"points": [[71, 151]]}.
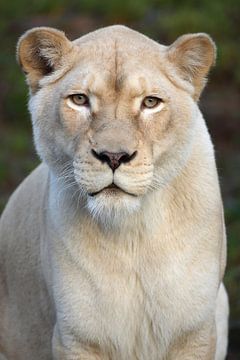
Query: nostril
{"points": [[100, 156], [113, 160], [126, 157]]}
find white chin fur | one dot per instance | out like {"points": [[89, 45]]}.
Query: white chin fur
{"points": [[112, 211]]}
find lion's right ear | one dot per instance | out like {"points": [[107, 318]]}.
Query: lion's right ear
{"points": [[41, 51]]}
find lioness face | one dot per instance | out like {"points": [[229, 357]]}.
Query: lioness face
{"points": [[117, 107]]}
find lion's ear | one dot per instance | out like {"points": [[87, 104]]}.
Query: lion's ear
{"points": [[192, 56], [40, 52]]}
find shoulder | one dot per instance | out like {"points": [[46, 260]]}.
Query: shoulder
{"points": [[27, 196]]}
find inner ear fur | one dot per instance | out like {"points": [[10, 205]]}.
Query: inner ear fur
{"points": [[192, 56], [40, 52]]}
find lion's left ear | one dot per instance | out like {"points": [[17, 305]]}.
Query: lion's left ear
{"points": [[192, 56]]}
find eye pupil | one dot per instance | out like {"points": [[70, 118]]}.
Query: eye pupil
{"points": [[150, 102], [80, 99]]}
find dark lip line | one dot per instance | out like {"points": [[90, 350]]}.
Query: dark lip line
{"points": [[108, 187]]}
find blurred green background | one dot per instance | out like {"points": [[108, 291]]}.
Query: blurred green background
{"points": [[164, 21]]}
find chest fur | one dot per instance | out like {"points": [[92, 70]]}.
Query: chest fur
{"points": [[133, 303]]}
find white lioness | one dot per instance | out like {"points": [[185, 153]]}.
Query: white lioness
{"points": [[114, 247]]}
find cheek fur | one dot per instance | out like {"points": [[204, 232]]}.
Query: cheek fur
{"points": [[156, 125], [74, 120]]}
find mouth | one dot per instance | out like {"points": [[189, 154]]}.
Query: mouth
{"points": [[111, 189]]}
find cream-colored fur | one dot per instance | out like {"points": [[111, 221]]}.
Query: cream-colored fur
{"points": [[131, 273]]}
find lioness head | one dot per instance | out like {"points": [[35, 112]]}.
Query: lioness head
{"points": [[114, 111]]}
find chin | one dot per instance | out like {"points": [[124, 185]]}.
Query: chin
{"points": [[112, 208]]}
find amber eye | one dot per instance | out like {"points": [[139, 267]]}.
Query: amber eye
{"points": [[80, 99], [151, 102]]}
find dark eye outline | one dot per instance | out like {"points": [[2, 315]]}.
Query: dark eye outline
{"points": [[159, 101], [85, 103]]}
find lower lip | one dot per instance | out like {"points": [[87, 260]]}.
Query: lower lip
{"points": [[109, 191], [112, 191]]}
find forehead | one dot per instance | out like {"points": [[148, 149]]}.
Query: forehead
{"points": [[119, 64]]}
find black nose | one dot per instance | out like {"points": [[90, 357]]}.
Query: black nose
{"points": [[114, 160]]}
